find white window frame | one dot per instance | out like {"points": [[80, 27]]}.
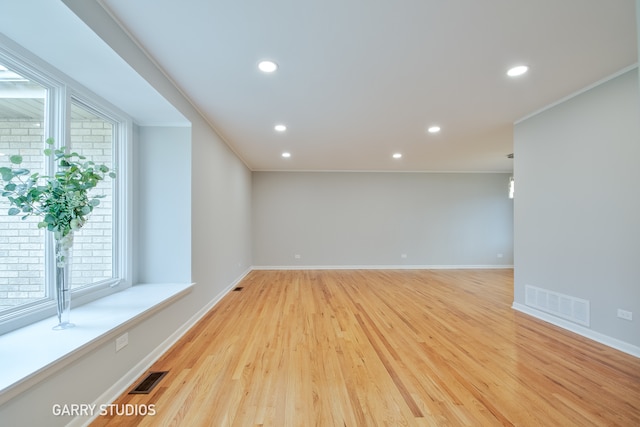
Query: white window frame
{"points": [[61, 91]]}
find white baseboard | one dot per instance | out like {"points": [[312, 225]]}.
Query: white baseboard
{"points": [[580, 330], [123, 384], [380, 267]]}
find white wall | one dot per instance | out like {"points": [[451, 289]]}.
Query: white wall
{"points": [[371, 219], [162, 201], [577, 205]]}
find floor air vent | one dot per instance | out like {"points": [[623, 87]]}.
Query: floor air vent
{"points": [[147, 384]]}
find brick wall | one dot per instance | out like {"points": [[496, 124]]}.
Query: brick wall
{"points": [[92, 249], [22, 243]]}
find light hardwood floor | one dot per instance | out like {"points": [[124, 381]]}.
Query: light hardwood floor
{"points": [[366, 348]]}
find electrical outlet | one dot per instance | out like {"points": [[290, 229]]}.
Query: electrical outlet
{"points": [[122, 341], [297, 256], [403, 256], [624, 314], [500, 255]]}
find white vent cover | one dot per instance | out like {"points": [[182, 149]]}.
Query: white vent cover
{"points": [[565, 306]]}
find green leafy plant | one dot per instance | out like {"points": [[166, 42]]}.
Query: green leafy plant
{"points": [[61, 200]]}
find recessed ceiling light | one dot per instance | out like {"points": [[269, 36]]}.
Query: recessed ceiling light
{"points": [[397, 155], [267, 66], [286, 155], [434, 129], [280, 128], [517, 71]]}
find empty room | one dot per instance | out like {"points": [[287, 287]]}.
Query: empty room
{"points": [[338, 213]]}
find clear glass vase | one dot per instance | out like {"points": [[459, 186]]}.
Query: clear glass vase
{"points": [[62, 253]]}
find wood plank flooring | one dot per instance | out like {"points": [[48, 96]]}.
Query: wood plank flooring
{"points": [[395, 348]]}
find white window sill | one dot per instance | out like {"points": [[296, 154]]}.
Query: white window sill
{"points": [[32, 353]]}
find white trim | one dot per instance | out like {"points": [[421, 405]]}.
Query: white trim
{"points": [[379, 267], [580, 330], [124, 383], [579, 92], [186, 124], [384, 171]]}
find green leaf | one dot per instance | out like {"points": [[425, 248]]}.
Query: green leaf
{"points": [[16, 159], [61, 199]]}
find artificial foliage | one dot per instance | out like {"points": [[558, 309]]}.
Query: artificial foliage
{"points": [[62, 200]]}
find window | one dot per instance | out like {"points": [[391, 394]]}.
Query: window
{"points": [[36, 104]]}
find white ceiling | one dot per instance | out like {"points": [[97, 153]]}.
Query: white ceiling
{"points": [[362, 79]]}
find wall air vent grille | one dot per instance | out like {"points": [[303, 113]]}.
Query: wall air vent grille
{"points": [[565, 306]]}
